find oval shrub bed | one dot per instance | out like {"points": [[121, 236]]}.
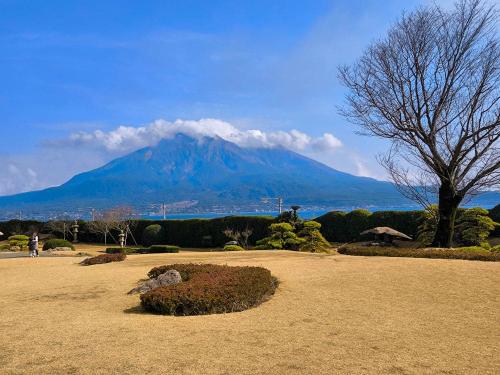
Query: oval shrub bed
{"points": [[104, 258], [209, 289]]}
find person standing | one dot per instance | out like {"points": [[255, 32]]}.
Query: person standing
{"points": [[33, 245]]}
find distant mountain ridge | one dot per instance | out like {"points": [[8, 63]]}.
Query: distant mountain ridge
{"points": [[212, 172]]}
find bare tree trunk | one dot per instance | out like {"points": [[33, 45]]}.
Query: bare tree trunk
{"points": [[448, 206]]}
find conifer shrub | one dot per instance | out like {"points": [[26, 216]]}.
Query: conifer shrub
{"points": [[474, 226], [57, 242], [282, 237], [313, 240], [104, 258], [209, 289]]}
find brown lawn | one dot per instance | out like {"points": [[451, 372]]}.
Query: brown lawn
{"points": [[331, 315]]}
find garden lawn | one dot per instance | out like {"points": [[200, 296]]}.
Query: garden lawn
{"points": [[332, 314]]}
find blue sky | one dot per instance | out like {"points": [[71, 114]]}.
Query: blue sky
{"points": [[81, 67]]}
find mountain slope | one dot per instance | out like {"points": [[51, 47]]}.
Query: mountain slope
{"points": [[211, 171]]}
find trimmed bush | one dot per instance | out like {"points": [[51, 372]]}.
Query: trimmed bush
{"points": [[153, 235], [163, 249], [104, 258], [233, 248], [474, 253], [57, 242], [19, 240], [209, 289]]}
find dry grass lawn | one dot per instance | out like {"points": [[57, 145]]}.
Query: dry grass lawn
{"points": [[331, 315]]}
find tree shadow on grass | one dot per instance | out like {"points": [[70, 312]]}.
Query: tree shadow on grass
{"points": [[135, 310]]}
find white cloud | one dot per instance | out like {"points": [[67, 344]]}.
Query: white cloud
{"points": [[129, 138]]}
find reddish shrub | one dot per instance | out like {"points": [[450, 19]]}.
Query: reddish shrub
{"points": [[104, 258], [209, 289]]}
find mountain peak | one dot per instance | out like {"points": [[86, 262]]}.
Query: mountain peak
{"points": [[213, 172]]}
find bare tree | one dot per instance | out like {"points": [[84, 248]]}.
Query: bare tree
{"points": [[121, 220], [239, 236], [118, 219], [60, 226], [432, 88], [100, 225]]}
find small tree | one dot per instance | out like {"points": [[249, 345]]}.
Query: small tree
{"points": [[474, 226]]}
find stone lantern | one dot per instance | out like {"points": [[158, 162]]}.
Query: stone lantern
{"points": [[74, 230], [121, 238]]}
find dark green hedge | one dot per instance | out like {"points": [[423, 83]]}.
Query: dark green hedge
{"points": [[494, 213], [339, 226]]}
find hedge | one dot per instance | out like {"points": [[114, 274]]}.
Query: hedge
{"points": [[494, 214], [163, 249], [209, 289], [474, 253], [338, 226]]}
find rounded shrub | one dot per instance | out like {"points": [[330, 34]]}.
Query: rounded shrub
{"points": [[57, 242], [233, 248], [153, 235], [104, 258], [209, 289]]}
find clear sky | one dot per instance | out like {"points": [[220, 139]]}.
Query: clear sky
{"points": [[72, 72]]}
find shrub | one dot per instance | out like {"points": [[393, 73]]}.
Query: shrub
{"points": [[233, 248], [163, 249], [475, 253], [495, 249], [153, 235], [428, 225], [104, 258], [19, 240], [209, 289], [313, 240], [474, 226], [282, 237], [57, 242]]}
